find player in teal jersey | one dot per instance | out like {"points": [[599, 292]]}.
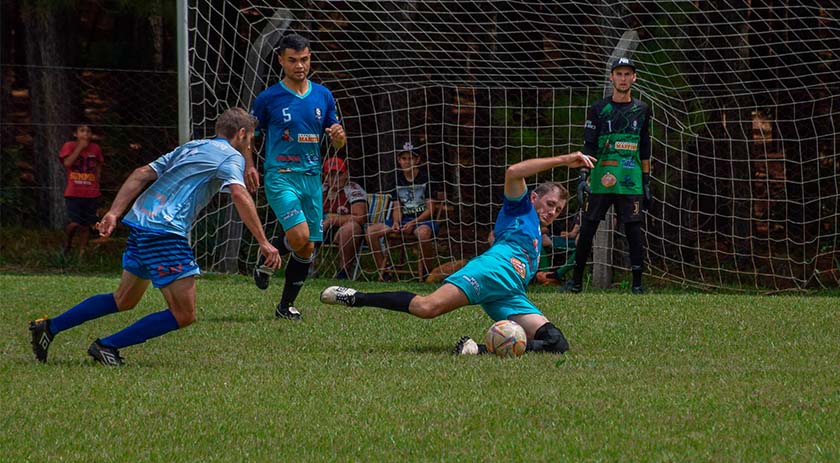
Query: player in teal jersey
{"points": [[496, 279], [158, 248], [617, 133], [294, 114]]}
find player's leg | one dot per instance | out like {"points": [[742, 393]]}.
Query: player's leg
{"points": [[72, 224], [596, 209], [374, 236], [445, 299], [542, 335], [630, 214], [169, 262], [127, 295]]}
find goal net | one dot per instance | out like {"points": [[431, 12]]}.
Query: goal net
{"points": [[745, 95]]}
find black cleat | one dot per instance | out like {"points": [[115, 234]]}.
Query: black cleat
{"points": [[262, 274], [638, 290], [571, 287], [289, 313], [105, 355], [41, 338]]}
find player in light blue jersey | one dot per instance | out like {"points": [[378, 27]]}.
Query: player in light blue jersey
{"points": [[158, 248], [293, 115], [496, 279]]}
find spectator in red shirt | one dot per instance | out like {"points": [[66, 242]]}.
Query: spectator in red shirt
{"points": [[83, 161], [345, 213]]}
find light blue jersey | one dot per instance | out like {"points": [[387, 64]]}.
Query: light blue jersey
{"points": [[294, 125], [187, 179], [497, 279]]}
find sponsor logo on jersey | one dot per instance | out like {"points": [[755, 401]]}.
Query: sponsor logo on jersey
{"points": [[608, 180], [519, 266], [628, 182], [626, 145], [628, 163], [308, 138], [287, 158], [608, 163], [588, 125], [286, 135], [318, 113]]}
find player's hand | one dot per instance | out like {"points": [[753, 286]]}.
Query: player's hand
{"points": [[271, 254], [337, 136], [578, 159], [107, 225], [252, 179]]}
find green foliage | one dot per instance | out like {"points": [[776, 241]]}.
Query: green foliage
{"points": [[688, 377]]}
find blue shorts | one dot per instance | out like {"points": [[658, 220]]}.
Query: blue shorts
{"points": [[159, 257], [492, 283], [429, 223], [296, 198]]}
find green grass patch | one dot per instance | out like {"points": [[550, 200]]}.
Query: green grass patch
{"points": [[661, 377]]}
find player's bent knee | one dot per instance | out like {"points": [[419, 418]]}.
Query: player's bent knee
{"points": [[422, 307], [553, 338], [184, 317]]}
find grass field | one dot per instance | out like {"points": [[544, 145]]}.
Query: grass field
{"points": [[661, 377]]}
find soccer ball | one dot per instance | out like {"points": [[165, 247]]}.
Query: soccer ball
{"points": [[505, 339]]}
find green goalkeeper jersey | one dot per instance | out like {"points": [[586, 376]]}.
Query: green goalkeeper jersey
{"points": [[618, 135]]}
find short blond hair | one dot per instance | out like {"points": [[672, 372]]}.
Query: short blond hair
{"points": [[229, 123]]}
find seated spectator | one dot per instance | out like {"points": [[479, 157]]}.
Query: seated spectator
{"points": [[345, 213], [412, 215]]}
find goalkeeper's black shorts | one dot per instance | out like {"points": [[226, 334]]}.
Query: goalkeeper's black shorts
{"points": [[628, 207]]}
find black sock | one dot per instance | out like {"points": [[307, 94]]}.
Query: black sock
{"points": [[296, 272], [636, 244], [548, 338], [393, 300], [282, 244], [583, 248]]}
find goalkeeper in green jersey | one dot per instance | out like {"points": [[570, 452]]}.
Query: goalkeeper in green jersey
{"points": [[617, 133]]}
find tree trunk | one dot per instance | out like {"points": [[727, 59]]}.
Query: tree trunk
{"points": [[51, 102]]}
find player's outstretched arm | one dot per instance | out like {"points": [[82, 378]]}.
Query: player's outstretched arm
{"points": [[134, 184], [516, 174], [248, 212]]}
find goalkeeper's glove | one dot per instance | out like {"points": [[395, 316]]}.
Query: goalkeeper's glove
{"points": [[583, 189], [646, 191]]}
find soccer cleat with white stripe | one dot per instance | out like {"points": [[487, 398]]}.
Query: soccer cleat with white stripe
{"points": [[41, 338], [339, 295], [105, 355], [289, 313]]}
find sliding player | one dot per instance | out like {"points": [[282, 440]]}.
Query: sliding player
{"points": [[496, 279]]}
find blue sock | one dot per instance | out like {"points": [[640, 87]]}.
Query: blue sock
{"points": [[92, 307], [148, 327]]}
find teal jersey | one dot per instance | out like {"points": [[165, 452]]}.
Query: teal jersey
{"points": [[293, 125], [187, 179], [518, 238]]}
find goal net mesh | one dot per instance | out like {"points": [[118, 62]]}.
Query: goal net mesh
{"points": [[745, 95]]}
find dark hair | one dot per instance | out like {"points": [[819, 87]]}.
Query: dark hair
{"points": [[232, 120], [294, 41], [544, 188]]}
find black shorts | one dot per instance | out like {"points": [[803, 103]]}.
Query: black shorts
{"points": [[82, 210], [628, 207]]}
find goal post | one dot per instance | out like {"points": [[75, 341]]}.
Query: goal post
{"points": [[745, 170]]}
